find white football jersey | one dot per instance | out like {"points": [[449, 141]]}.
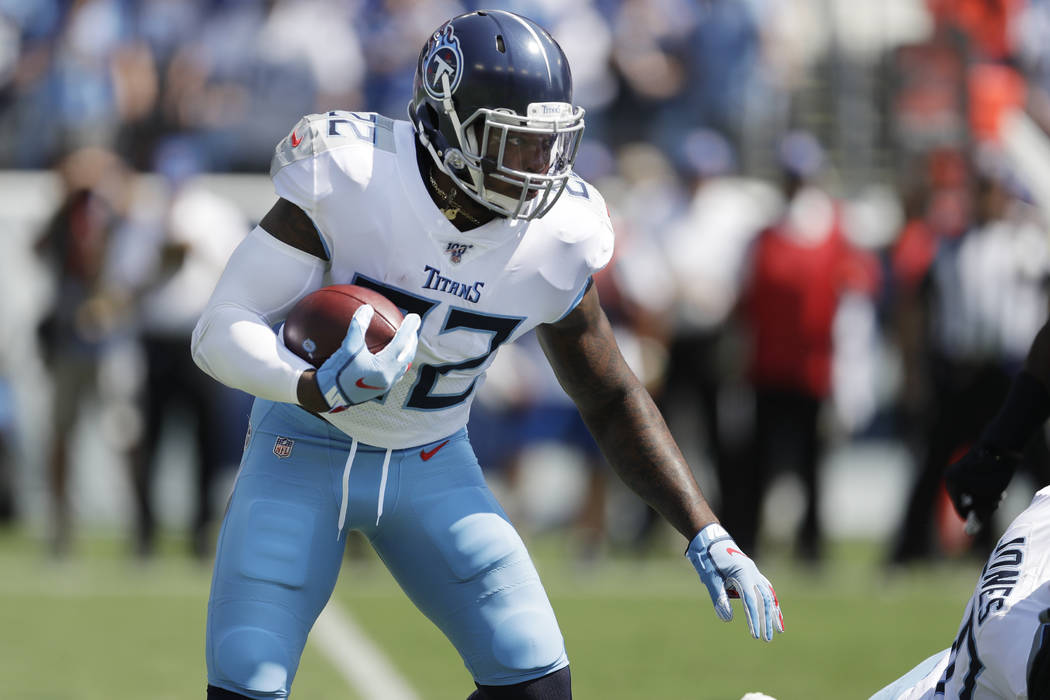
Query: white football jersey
{"points": [[356, 176], [989, 657]]}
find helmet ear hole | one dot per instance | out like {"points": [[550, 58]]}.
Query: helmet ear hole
{"points": [[500, 46]]}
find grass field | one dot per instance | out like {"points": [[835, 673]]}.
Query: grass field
{"points": [[102, 627]]}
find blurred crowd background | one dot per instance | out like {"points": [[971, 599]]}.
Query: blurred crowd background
{"points": [[831, 233]]}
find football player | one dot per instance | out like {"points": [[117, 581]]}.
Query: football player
{"points": [[468, 216], [1002, 649]]}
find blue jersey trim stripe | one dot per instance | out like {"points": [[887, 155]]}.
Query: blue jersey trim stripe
{"points": [[578, 299]]}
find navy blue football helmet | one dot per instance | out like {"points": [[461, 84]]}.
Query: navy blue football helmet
{"points": [[492, 104]]}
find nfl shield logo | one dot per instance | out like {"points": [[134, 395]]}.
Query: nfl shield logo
{"points": [[283, 447]]}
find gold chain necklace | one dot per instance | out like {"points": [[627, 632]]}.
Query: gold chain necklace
{"points": [[451, 211]]}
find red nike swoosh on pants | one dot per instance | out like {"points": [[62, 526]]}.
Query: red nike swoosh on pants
{"points": [[425, 454]]}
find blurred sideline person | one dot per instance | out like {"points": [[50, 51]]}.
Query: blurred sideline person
{"points": [[79, 328], [10, 426], [467, 216], [983, 300], [706, 251], [8, 445], [799, 269], [167, 259]]}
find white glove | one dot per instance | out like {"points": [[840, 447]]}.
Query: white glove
{"points": [[353, 375], [725, 569]]}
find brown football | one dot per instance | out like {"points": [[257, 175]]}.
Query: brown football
{"points": [[316, 326]]}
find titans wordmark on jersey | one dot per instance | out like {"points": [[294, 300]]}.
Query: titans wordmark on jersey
{"points": [[356, 176]]}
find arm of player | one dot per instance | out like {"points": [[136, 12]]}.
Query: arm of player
{"points": [[976, 483], [267, 274], [635, 440]]}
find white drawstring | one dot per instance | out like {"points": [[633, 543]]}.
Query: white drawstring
{"points": [[344, 506], [382, 485]]}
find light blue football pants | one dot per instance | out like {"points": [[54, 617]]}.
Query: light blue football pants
{"points": [[428, 513]]}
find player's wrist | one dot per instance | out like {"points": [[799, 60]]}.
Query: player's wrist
{"points": [[309, 394], [708, 535]]}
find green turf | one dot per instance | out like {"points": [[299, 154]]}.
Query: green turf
{"points": [[100, 626], [639, 629]]}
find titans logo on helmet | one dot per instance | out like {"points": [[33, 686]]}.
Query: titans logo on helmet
{"points": [[443, 58]]}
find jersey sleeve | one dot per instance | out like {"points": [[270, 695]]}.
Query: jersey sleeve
{"points": [[233, 340]]}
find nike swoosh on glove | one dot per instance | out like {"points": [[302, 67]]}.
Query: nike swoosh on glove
{"points": [[724, 568], [977, 483], [353, 374]]}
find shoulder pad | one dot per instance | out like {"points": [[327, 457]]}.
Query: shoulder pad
{"points": [[317, 133], [581, 214], [580, 234], [584, 194]]}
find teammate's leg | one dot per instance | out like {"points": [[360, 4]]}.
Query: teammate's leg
{"points": [[278, 556], [451, 548]]}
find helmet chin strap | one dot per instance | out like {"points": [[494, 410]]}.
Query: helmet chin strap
{"points": [[456, 154]]}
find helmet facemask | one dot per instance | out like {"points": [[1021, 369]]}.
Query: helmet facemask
{"points": [[520, 165], [528, 157]]}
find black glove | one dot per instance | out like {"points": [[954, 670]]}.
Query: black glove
{"points": [[977, 483]]}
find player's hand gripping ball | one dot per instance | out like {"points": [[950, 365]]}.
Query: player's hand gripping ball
{"points": [[356, 338], [728, 572]]}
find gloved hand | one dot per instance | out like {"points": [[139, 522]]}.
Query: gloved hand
{"points": [[726, 570], [977, 484], [353, 375]]}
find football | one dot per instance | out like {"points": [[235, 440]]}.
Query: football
{"points": [[316, 326]]}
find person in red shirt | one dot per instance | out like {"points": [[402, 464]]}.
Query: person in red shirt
{"points": [[800, 266]]}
